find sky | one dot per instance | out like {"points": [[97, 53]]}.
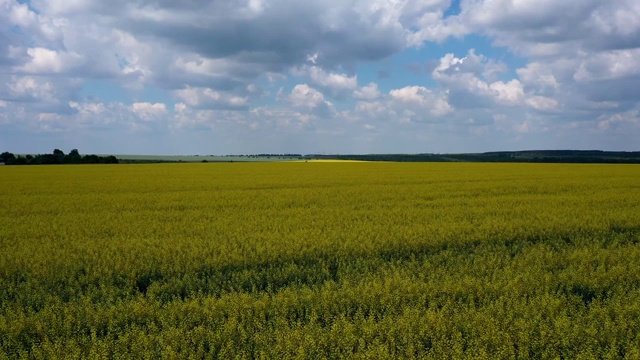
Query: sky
{"points": [[318, 76]]}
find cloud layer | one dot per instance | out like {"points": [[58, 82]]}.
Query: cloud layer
{"points": [[241, 76]]}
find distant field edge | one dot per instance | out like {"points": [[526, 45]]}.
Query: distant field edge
{"points": [[203, 158], [525, 156], [528, 156]]}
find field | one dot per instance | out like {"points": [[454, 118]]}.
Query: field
{"points": [[320, 260], [205, 158]]}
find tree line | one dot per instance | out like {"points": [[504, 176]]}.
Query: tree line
{"points": [[57, 157], [532, 156]]}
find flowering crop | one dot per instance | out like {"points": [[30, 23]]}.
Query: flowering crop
{"points": [[320, 260]]}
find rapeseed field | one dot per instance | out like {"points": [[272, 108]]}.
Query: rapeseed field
{"points": [[320, 261]]}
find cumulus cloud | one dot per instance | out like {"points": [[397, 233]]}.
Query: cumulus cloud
{"points": [[542, 103], [609, 65], [88, 110], [508, 93], [550, 27], [306, 97], [210, 98], [538, 76], [45, 61], [464, 79], [40, 93], [419, 97], [410, 104], [281, 33], [368, 92], [149, 111], [629, 118], [303, 95], [331, 80], [580, 51], [231, 67]]}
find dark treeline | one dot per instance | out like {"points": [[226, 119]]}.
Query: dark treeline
{"points": [[57, 157], [268, 155], [536, 156]]}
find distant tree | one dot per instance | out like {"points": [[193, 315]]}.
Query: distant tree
{"points": [[58, 156], [90, 159], [73, 157], [45, 159], [7, 157], [20, 160], [111, 160]]}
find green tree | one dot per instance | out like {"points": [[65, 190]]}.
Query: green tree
{"points": [[73, 157], [7, 157], [59, 156], [20, 160], [111, 160]]}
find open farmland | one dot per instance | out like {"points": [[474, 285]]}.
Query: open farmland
{"points": [[204, 158], [320, 260]]}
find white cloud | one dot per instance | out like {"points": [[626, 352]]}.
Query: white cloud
{"points": [[202, 66], [149, 111], [210, 98], [223, 62], [630, 118], [333, 81], [305, 96], [447, 62], [336, 84], [31, 87], [609, 65], [542, 103], [95, 115], [186, 117], [539, 76], [374, 109], [64, 7], [48, 117], [260, 119], [462, 75], [548, 27], [88, 109], [42, 30], [426, 21], [508, 93], [411, 94], [19, 14], [45, 61], [433, 27], [368, 92], [417, 103]]}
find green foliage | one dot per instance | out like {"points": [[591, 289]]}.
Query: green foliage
{"points": [[58, 157], [320, 260], [7, 157], [533, 156]]}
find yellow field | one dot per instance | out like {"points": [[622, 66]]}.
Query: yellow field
{"points": [[330, 161], [334, 260]]}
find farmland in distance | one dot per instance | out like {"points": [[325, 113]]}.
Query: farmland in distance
{"points": [[320, 260]]}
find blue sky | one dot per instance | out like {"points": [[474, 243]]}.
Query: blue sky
{"points": [[330, 76]]}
